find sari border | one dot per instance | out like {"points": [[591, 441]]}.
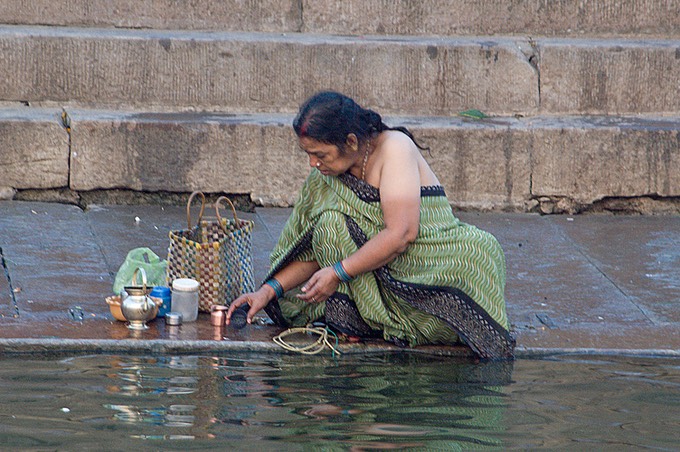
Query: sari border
{"points": [[368, 193], [273, 309], [343, 316], [484, 335]]}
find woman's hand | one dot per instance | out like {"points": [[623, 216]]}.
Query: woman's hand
{"points": [[320, 286], [257, 301]]}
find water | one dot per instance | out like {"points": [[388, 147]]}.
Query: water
{"points": [[293, 402]]}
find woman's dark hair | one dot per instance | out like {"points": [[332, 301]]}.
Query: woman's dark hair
{"points": [[329, 117]]}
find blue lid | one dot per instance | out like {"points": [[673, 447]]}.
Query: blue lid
{"points": [[160, 291]]}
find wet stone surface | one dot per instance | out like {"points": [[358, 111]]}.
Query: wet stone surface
{"points": [[595, 282]]}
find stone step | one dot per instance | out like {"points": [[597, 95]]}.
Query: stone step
{"points": [[498, 163], [609, 76], [257, 72], [34, 149], [361, 17], [264, 72]]}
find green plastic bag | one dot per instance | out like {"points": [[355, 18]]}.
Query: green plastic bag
{"points": [[148, 260]]}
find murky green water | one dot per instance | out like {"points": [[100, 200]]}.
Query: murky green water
{"points": [[273, 402]]}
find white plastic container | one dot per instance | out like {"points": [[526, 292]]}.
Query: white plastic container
{"points": [[185, 298]]}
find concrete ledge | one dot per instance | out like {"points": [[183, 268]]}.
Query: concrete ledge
{"points": [[431, 17], [40, 346], [166, 346], [237, 72], [535, 352], [34, 149], [52, 347]]}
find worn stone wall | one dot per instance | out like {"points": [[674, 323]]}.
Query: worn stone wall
{"points": [[237, 72], [362, 17], [34, 150], [581, 98]]}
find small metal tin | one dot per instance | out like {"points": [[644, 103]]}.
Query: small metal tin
{"points": [[173, 318]]}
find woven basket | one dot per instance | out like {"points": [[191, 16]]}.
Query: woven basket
{"points": [[215, 252]]}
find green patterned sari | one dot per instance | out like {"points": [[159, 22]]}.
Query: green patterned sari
{"points": [[446, 287]]}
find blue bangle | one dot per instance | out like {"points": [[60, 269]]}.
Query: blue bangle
{"points": [[278, 288], [341, 272]]}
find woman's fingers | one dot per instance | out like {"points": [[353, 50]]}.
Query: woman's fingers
{"points": [[243, 299], [311, 296], [306, 297], [309, 291], [309, 285], [319, 287]]}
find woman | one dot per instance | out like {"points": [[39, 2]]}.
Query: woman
{"points": [[372, 247]]}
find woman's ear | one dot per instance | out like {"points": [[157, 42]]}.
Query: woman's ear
{"points": [[352, 142]]}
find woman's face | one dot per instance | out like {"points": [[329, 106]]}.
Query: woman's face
{"points": [[325, 157]]}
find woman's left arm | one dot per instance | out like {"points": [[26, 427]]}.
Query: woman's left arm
{"points": [[400, 203]]}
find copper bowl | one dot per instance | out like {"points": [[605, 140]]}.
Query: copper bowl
{"points": [[114, 306]]}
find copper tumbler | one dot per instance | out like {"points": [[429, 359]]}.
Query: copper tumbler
{"points": [[218, 315]]}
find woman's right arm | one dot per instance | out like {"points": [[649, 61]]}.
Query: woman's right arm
{"points": [[290, 276]]}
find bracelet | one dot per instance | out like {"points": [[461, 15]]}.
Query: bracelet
{"points": [[341, 272], [278, 288]]}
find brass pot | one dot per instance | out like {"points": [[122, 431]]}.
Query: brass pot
{"points": [[137, 306]]}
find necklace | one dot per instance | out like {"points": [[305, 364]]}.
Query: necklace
{"points": [[363, 167]]}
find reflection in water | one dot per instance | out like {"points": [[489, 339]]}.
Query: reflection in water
{"points": [[429, 402], [377, 402], [293, 402]]}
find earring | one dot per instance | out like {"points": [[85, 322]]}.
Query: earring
{"points": [[318, 164]]}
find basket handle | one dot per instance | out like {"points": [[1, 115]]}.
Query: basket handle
{"points": [[237, 222], [200, 215]]}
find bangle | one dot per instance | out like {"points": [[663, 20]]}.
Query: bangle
{"points": [[341, 272], [278, 288]]}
